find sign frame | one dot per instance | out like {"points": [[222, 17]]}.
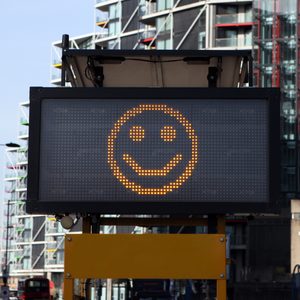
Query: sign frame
{"points": [[37, 94]]}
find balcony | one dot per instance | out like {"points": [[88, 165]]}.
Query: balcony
{"points": [[53, 229], [22, 160], [55, 76], [21, 211], [25, 103], [291, 43], [56, 63], [233, 20], [11, 165], [102, 23], [147, 37], [11, 174], [21, 187], [23, 134], [288, 69], [18, 266], [147, 9], [54, 262], [10, 189], [103, 5], [290, 18], [24, 121], [233, 42]]}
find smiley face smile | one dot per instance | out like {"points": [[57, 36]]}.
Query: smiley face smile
{"points": [[152, 172], [175, 172]]}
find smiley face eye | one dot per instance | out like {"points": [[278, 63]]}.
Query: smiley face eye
{"points": [[168, 133], [137, 133]]}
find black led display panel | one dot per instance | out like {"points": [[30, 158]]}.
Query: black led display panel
{"points": [[153, 150]]}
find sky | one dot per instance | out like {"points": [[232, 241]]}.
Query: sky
{"points": [[27, 30]]}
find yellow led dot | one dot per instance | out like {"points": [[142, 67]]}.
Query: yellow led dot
{"points": [[168, 133], [137, 133]]}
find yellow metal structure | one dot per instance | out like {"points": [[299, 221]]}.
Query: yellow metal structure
{"points": [[57, 65], [177, 256], [102, 24]]}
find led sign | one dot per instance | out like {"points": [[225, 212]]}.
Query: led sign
{"points": [[153, 150]]}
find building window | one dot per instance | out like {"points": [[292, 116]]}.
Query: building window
{"points": [[163, 25], [163, 44], [248, 37], [163, 40], [114, 28], [226, 37], [113, 44], [248, 13], [114, 12], [227, 9], [27, 223], [114, 25], [164, 4], [27, 236], [26, 263]]}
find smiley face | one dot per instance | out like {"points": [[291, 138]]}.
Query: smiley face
{"points": [[175, 170]]}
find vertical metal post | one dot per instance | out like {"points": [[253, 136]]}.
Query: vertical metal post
{"points": [[86, 228], [65, 46], [250, 71], [68, 288], [221, 225], [221, 283], [109, 289], [5, 272], [86, 225], [221, 289]]}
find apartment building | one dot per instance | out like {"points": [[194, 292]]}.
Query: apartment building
{"points": [[276, 64], [32, 245]]}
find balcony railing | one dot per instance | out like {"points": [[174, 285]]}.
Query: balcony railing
{"points": [[21, 211], [18, 266], [10, 173], [11, 165], [22, 185], [51, 245], [55, 76], [233, 42], [23, 132], [102, 21], [289, 68], [24, 121], [233, 18], [100, 1], [52, 229], [56, 62], [149, 33], [147, 8]]}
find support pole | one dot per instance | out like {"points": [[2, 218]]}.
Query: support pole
{"points": [[221, 224], [65, 46], [221, 289], [221, 283], [68, 288], [86, 225]]}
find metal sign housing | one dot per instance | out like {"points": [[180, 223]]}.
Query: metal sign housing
{"points": [[156, 68], [153, 150]]}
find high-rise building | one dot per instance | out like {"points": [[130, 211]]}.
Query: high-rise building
{"points": [[166, 24], [32, 245], [276, 65]]}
